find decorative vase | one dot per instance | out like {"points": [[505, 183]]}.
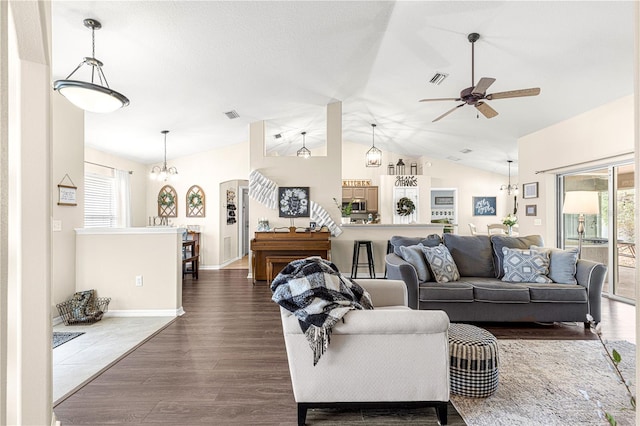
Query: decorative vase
{"points": [[345, 219], [509, 230]]}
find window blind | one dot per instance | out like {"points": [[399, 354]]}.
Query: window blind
{"points": [[99, 201]]}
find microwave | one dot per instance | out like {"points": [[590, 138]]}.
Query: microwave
{"points": [[357, 206]]}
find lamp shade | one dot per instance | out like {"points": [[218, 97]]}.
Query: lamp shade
{"points": [[91, 97], [581, 202]]}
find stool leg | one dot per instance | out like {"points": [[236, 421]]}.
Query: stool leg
{"points": [[354, 261], [370, 262]]}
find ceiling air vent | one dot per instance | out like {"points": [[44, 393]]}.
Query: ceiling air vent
{"points": [[438, 78], [452, 158], [232, 114], [278, 136], [465, 151]]}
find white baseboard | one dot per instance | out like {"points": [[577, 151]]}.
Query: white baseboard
{"points": [[215, 267]]}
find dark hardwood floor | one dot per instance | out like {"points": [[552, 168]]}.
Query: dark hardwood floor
{"points": [[224, 363]]}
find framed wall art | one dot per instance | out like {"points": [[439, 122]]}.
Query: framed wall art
{"points": [[484, 206], [293, 201], [530, 190], [531, 210]]}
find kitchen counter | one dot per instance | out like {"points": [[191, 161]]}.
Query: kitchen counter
{"points": [[437, 227]]}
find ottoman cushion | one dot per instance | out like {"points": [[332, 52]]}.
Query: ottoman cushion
{"points": [[473, 355]]}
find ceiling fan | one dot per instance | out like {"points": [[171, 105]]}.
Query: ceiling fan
{"points": [[476, 94]]}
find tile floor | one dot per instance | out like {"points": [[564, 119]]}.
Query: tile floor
{"points": [[104, 342]]}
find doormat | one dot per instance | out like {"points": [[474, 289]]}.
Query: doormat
{"points": [[542, 383], [63, 337]]}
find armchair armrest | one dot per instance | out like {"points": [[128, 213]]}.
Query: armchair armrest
{"points": [[399, 269], [591, 275], [385, 292]]}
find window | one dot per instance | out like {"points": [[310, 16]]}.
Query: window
{"points": [[99, 201]]}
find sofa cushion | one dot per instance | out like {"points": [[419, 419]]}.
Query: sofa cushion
{"points": [[499, 241], [500, 292], [562, 264], [525, 266], [560, 293], [415, 256], [441, 263], [472, 254], [398, 241], [447, 292]]}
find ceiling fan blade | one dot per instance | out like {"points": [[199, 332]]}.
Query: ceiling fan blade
{"points": [[448, 112], [535, 91], [486, 110], [440, 99], [483, 85]]}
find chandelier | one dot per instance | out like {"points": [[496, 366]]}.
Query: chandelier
{"points": [[164, 173], [374, 155], [510, 188], [91, 97], [303, 152]]}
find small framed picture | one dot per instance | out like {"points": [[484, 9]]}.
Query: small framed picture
{"points": [[530, 190], [443, 201], [67, 195], [312, 226], [531, 210]]}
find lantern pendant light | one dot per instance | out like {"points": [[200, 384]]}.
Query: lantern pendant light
{"points": [[303, 152], [374, 155]]}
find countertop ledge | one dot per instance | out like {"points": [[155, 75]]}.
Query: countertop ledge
{"points": [[395, 225]]}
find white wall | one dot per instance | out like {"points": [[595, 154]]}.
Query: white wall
{"points": [[586, 140], [66, 159], [207, 170]]}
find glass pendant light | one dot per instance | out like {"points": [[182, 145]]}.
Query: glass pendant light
{"points": [[91, 97], [374, 155], [303, 152]]}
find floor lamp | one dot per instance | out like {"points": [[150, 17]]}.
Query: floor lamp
{"points": [[581, 203]]}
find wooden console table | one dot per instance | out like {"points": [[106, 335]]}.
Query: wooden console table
{"points": [[286, 244]]}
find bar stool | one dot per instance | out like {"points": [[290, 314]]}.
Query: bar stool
{"points": [[356, 258], [389, 250]]}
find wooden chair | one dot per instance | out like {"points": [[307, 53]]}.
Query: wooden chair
{"points": [[190, 258], [473, 229], [497, 229]]}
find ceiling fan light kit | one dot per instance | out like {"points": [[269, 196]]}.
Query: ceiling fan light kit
{"points": [[164, 173], [477, 93], [374, 155], [91, 96]]}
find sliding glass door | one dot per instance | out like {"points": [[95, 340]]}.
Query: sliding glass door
{"points": [[609, 223]]}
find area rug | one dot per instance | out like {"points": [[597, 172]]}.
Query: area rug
{"points": [[62, 337], [542, 383]]}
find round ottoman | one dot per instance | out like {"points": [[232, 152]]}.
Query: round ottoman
{"points": [[473, 355]]}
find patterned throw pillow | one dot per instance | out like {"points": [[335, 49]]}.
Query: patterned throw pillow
{"points": [[442, 265], [525, 266]]}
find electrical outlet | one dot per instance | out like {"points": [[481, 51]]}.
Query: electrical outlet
{"points": [[537, 222], [138, 280], [56, 225]]}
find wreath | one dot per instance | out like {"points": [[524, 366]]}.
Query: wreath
{"points": [[195, 199], [166, 200], [405, 206]]}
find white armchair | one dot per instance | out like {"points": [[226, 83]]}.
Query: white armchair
{"points": [[390, 355]]}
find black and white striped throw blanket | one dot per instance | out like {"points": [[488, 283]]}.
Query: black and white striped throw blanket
{"points": [[315, 292]]}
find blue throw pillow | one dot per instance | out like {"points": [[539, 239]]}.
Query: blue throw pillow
{"points": [[562, 264]]}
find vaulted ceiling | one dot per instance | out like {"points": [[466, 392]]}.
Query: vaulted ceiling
{"points": [[183, 64]]}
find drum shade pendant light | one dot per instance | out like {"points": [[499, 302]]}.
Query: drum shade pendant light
{"points": [[303, 152], [510, 188], [374, 155], [91, 96], [164, 173]]}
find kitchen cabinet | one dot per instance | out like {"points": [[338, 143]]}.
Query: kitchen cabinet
{"points": [[358, 193], [369, 194], [371, 197]]}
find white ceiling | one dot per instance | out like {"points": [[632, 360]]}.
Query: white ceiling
{"points": [[183, 64]]}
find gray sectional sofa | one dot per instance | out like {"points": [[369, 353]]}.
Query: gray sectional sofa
{"points": [[480, 294]]}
